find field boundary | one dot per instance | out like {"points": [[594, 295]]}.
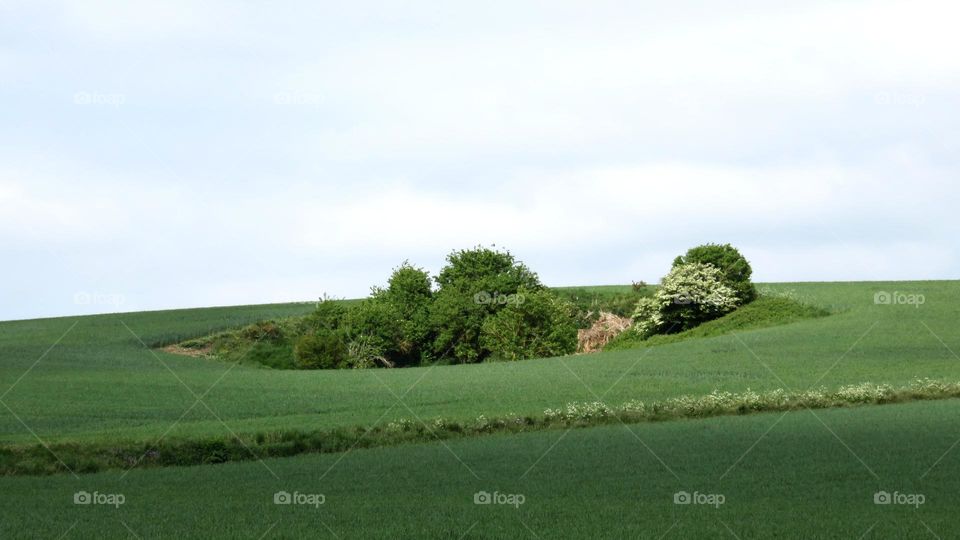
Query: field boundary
{"points": [[93, 457]]}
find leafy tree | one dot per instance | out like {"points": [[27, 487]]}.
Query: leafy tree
{"points": [[735, 267], [688, 296], [329, 315], [536, 324], [396, 319], [475, 284]]}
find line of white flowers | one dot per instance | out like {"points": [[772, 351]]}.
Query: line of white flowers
{"points": [[713, 404], [749, 401]]}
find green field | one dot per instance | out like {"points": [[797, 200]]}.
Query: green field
{"points": [[799, 481], [100, 381], [97, 379]]}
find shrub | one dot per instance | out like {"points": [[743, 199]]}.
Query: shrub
{"points": [[735, 267], [329, 315], [538, 324], [262, 331], [646, 317], [471, 287], [689, 295], [396, 320], [274, 354], [324, 349]]}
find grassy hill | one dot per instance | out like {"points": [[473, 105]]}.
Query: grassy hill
{"points": [[100, 381]]}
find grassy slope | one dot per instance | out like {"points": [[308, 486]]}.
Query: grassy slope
{"points": [[763, 312], [799, 481], [101, 383]]}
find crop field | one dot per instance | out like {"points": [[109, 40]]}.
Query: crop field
{"points": [[806, 477], [102, 379]]}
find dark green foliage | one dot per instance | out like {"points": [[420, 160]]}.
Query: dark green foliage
{"points": [[324, 349], [537, 325], [273, 354], [727, 258], [404, 324], [329, 315], [471, 287], [397, 318]]}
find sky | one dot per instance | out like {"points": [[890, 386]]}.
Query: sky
{"points": [[176, 153]]}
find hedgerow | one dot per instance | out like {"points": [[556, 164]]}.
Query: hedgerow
{"points": [[91, 457]]}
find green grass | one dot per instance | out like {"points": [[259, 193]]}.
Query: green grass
{"points": [[100, 383], [764, 312], [791, 475], [92, 457]]}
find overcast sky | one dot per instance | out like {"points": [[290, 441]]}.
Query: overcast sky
{"points": [[182, 153]]}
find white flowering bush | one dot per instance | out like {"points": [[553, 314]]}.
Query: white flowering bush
{"points": [[646, 317], [934, 387], [863, 393], [400, 425], [689, 295]]}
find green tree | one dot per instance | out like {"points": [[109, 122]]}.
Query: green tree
{"points": [[475, 284], [689, 295], [396, 319], [535, 324], [735, 267]]}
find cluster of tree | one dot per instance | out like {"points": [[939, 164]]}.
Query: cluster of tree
{"points": [[484, 304]]}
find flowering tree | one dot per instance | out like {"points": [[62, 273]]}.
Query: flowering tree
{"points": [[689, 295]]}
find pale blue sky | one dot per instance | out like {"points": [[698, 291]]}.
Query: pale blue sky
{"points": [[174, 154]]}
